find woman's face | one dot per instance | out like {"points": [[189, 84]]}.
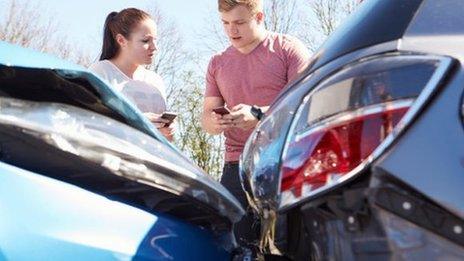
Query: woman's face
{"points": [[141, 46]]}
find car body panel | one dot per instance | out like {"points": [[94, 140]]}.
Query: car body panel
{"points": [[361, 29], [13, 55], [40, 80], [434, 134], [436, 29], [113, 146], [421, 216], [287, 104], [415, 40], [430, 156], [21, 61], [50, 219], [86, 175]]}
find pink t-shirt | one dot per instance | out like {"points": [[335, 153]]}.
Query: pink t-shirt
{"points": [[255, 78]]}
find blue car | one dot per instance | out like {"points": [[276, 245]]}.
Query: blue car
{"points": [[83, 175]]}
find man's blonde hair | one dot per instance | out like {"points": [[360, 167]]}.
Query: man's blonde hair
{"points": [[254, 6]]}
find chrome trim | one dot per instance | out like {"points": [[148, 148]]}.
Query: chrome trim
{"points": [[288, 201], [349, 58], [339, 118]]}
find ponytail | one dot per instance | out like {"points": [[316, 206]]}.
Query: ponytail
{"points": [[119, 23], [110, 47]]}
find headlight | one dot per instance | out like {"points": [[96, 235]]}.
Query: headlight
{"points": [[339, 127]]}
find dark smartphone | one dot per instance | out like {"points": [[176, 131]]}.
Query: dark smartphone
{"points": [[170, 116], [221, 110]]}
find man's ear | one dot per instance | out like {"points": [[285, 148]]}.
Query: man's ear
{"points": [[121, 40], [260, 17]]}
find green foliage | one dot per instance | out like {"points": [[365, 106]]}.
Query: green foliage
{"points": [[204, 149]]}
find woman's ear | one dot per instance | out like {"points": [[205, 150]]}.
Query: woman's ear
{"points": [[121, 40]]}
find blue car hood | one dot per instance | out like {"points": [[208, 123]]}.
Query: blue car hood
{"points": [[45, 87]]}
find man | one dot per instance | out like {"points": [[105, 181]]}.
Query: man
{"points": [[246, 77]]}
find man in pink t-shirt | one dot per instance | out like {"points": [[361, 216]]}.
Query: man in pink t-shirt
{"points": [[246, 78]]}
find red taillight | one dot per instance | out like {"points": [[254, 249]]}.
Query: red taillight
{"points": [[316, 157]]}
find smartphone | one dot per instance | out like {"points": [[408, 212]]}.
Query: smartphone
{"points": [[170, 116], [221, 110]]}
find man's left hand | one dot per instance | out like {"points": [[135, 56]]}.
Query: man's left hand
{"points": [[241, 117]]}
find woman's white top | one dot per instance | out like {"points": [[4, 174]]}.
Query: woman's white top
{"points": [[146, 89]]}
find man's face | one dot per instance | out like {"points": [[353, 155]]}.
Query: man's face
{"points": [[241, 26]]}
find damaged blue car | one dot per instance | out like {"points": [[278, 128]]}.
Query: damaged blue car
{"points": [[83, 175]]}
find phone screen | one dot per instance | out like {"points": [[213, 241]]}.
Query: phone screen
{"points": [[169, 116]]}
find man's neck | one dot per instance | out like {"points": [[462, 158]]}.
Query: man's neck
{"points": [[250, 47], [124, 66]]}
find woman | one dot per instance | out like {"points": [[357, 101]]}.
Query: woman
{"points": [[129, 42]]}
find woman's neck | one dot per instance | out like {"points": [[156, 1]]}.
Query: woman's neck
{"points": [[128, 68]]}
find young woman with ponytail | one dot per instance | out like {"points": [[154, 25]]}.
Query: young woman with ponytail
{"points": [[129, 43]]}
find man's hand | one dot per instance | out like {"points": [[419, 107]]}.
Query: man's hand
{"points": [[241, 117], [211, 122], [220, 123]]}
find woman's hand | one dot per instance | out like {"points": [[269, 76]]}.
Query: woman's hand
{"points": [[163, 125], [156, 119], [168, 132]]}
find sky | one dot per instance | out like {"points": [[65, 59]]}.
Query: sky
{"points": [[82, 21]]}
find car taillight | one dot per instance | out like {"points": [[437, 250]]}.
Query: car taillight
{"points": [[334, 150], [346, 118]]}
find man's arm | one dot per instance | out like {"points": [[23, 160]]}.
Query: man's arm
{"points": [[211, 122]]}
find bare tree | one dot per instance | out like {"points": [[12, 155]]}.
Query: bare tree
{"points": [[212, 39], [185, 95], [171, 56], [206, 150], [325, 17], [282, 16], [23, 24]]}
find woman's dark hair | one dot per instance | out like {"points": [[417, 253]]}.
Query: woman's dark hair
{"points": [[119, 23]]}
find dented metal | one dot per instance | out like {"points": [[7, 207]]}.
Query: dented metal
{"points": [[123, 150]]}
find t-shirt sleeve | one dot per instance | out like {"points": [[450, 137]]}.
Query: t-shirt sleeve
{"points": [[212, 89], [298, 58]]}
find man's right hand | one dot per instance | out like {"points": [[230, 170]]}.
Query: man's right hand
{"points": [[212, 122], [219, 123]]}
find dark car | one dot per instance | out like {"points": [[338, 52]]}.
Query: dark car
{"points": [[84, 176], [362, 158]]}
